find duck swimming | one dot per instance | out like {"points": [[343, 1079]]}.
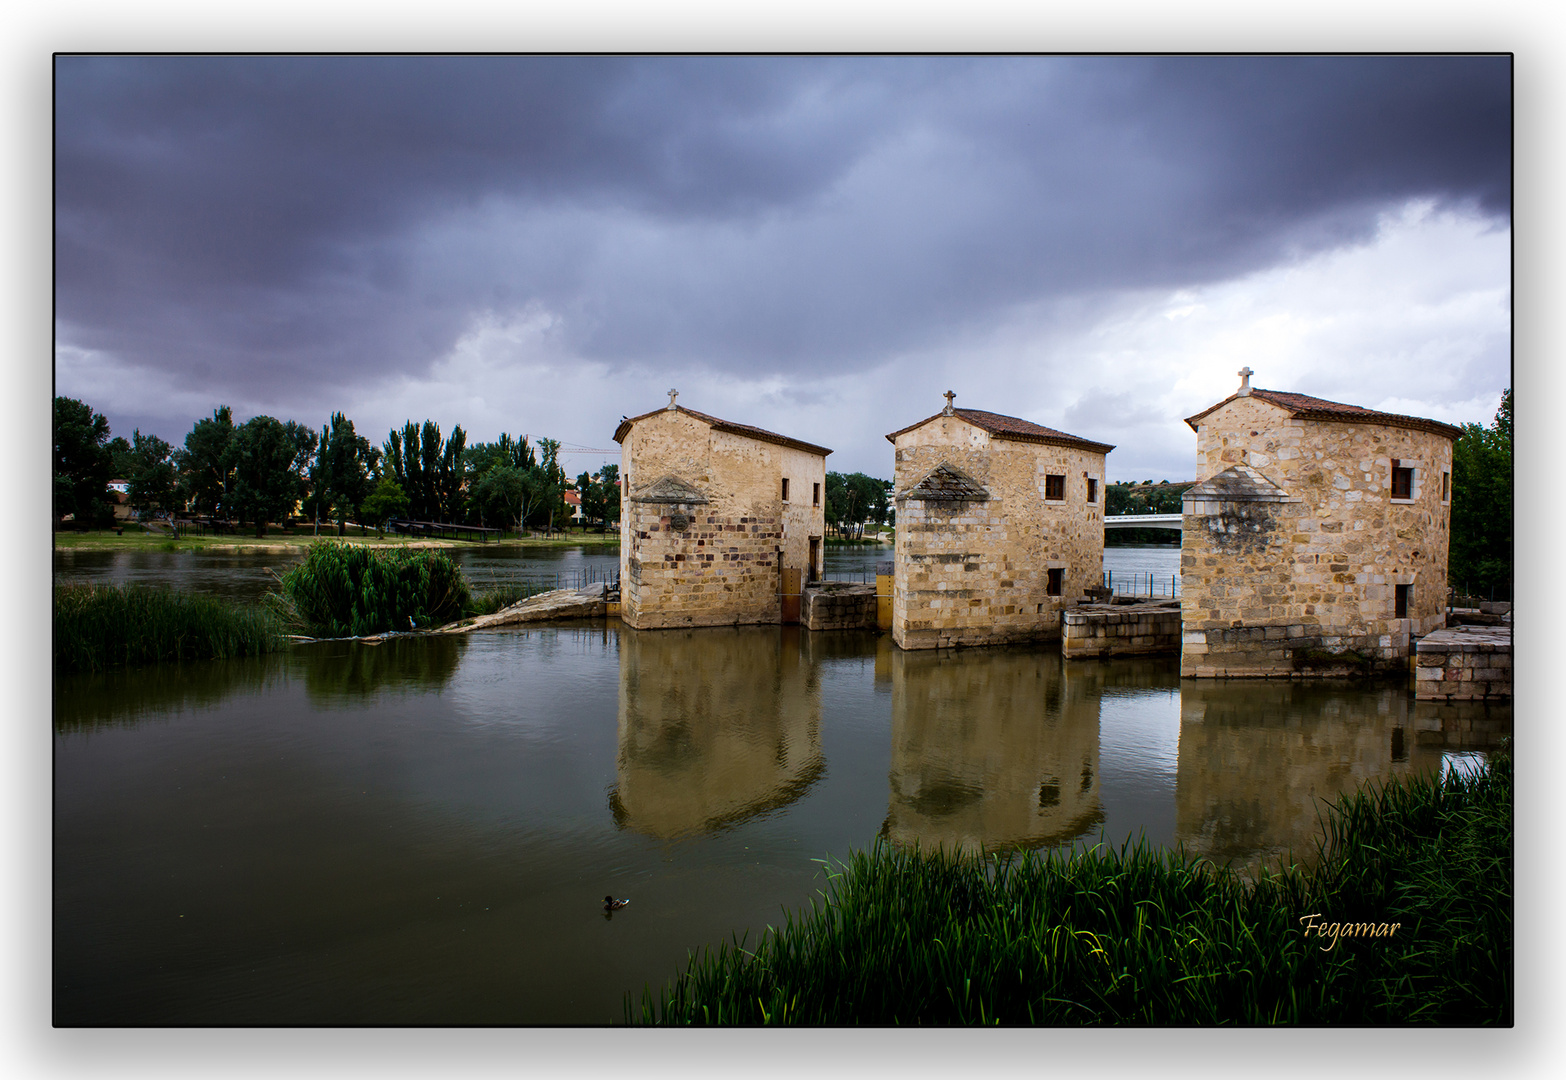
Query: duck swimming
{"points": [[611, 904]]}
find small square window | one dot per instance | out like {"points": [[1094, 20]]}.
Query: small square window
{"points": [[1092, 491], [1402, 482], [1400, 601], [785, 489], [1055, 488], [1056, 582]]}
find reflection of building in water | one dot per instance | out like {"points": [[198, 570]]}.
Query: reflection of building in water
{"points": [[716, 726], [990, 749], [1257, 758]]}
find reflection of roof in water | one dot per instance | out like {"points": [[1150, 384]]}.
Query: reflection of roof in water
{"points": [[773, 799]]}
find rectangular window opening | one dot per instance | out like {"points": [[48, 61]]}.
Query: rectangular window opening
{"points": [[1092, 491], [1402, 481], [1055, 488], [1057, 582], [1400, 601], [815, 494], [785, 489], [1446, 487]]}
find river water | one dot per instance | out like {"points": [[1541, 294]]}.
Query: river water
{"points": [[423, 831]]}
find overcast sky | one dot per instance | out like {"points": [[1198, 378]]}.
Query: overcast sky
{"points": [[820, 246]]}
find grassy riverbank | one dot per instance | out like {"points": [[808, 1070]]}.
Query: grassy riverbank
{"points": [[1138, 936], [278, 541], [98, 627]]}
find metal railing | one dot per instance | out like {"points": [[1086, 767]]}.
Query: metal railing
{"points": [[1138, 583]]}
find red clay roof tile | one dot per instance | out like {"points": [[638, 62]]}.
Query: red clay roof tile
{"points": [[1011, 427], [1305, 407], [728, 426]]}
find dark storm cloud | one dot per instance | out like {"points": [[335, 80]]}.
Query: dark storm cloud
{"points": [[247, 221]]}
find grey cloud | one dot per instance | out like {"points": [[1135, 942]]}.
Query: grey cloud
{"points": [[252, 220]]}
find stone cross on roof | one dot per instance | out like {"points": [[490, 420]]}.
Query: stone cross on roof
{"points": [[1245, 374], [672, 395], [949, 395]]}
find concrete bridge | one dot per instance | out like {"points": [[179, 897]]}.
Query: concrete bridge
{"points": [[1143, 521]]}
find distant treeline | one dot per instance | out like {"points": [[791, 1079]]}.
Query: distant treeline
{"points": [[267, 470]]}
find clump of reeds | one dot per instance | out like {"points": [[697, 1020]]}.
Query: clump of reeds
{"points": [[98, 627], [345, 590], [1139, 936]]}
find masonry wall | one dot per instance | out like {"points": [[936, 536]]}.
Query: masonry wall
{"points": [[723, 567], [1268, 588], [975, 573], [1104, 630]]}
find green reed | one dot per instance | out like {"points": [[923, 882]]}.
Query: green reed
{"points": [[345, 590], [99, 627], [1135, 935]]}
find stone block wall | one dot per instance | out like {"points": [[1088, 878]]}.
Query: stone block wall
{"points": [[975, 571], [705, 529], [1101, 630], [1464, 663], [1271, 585], [715, 571], [835, 605]]}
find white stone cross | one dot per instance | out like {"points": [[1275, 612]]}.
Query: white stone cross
{"points": [[1245, 374], [672, 395], [949, 395]]}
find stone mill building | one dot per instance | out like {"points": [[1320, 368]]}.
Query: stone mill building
{"points": [[999, 528], [720, 523], [1315, 540]]}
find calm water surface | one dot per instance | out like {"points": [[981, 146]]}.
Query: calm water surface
{"points": [[423, 831], [249, 577]]}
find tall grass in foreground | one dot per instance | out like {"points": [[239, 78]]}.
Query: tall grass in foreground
{"points": [[346, 590], [1140, 936], [98, 627]]}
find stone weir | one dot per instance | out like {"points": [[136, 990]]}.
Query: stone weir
{"points": [[593, 602], [1125, 626]]}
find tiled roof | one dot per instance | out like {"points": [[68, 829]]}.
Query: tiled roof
{"points": [[948, 482], [1011, 427], [724, 425], [1305, 407]]}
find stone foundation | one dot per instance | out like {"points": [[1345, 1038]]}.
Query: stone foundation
{"points": [[1101, 630], [1464, 663], [838, 605]]}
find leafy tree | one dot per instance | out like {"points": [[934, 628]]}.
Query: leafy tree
{"points": [[852, 498], [266, 455], [206, 464], [340, 481], [149, 469], [598, 493], [429, 469], [609, 478], [83, 464], [388, 500], [551, 485], [120, 452], [1481, 551], [505, 493]]}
